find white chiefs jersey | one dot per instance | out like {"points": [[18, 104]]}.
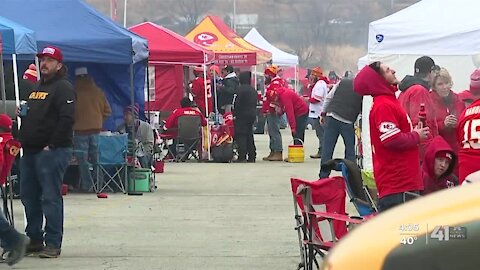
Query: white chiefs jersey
{"points": [[319, 92]]}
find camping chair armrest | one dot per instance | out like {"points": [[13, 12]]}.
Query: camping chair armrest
{"points": [[360, 201], [333, 216]]}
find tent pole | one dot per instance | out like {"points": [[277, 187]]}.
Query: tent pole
{"points": [[255, 70], [17, 92], [296, 78], [148, 93], [134, 135], [206, 102], [2, 85]]}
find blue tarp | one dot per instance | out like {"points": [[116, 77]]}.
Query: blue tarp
{"points": [[17, 39], [89, 39]]}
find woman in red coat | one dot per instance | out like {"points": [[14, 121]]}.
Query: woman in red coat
{"points": [[448, 106]]}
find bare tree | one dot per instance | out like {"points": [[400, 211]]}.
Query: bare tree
{"points": [[190, 11]]}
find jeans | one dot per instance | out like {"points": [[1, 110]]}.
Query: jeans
{"points": [[146, 161], [8, 235], [244, 138], [86, 154], [332, 129], [41, 193], [299, 137], [273, 125], [392, 200], [315, 122]]}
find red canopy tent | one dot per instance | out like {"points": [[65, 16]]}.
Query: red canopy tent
{"points": [[168, 53]]}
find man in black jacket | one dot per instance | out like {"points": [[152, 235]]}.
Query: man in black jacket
{"points": [[46, 135], [245, 113], [228, 89]]}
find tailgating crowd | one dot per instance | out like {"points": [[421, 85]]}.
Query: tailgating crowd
{"points": [[425, 140]]}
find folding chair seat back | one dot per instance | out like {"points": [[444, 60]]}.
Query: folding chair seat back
{"points": [[112, 162], [354, 185], [189, 127], [326, 195], [112, 150]]}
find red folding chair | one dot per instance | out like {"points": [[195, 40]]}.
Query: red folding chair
{"points": [[323, 220]]}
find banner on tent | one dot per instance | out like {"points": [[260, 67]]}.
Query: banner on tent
{"points": [[236, 59]]}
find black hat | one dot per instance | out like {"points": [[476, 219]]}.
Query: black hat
{"points": [[309, 72], [228, 69], [424, 65]]}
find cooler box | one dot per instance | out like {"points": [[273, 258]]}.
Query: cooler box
{"points": [[142, 179]]}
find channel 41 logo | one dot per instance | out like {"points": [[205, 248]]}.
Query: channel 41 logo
{"points": [[447, 233]]}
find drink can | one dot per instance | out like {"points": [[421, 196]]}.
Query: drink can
{"points": [[23, 108]]}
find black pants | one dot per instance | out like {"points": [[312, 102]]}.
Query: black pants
{"points": [[393, 200], [299, 137], [244, 138]]}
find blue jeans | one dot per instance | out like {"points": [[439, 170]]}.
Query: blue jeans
{"points": [[332, 129], [86, 153], [273, 125], [315, 122], [299, 137], [41, 193], [8, 235]]}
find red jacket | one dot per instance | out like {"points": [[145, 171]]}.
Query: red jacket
{"points": [[171, 124], [410, 101], [447, 180], [198, 92], [396, 164], [270, 94], [455, 107], [292, 104], [468, 134], [10, 148]]}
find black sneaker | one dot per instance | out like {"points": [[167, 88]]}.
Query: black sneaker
{"points": [[50, 252], [17, 252], [35, 246]]}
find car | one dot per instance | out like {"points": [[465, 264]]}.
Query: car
{"points": [[438, 231]]}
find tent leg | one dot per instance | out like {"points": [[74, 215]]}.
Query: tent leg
{"points": [[17, 92], [148, 94], [2, 85], [296, 78], [134, 135], [206, 102]]}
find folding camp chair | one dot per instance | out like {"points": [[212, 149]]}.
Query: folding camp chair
{"points": [[360, 195], [112, 162], [189, 135], [323, 220]]}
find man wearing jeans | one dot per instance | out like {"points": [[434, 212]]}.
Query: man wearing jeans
{"points": [[340, 110], [316, 100], [46, 136], [92, 109], [273, 112]]}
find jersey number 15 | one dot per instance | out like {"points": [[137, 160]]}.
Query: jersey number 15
{"points": [[471, 134]]}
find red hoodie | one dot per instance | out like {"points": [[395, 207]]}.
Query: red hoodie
{"points": [[292, 104], [447, 179], [171, 124], [267, 106], [198, 92], [396, 164], [455, 106], [468, 134], [410, 100]]}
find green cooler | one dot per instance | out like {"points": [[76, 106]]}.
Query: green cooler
{"points": [[140, 181]]}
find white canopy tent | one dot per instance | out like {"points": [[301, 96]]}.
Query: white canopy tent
{"points": [[279, 57], [446, 30]]}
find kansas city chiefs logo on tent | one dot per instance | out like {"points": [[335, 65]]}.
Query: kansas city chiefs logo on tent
{"points": [[205, 39]]}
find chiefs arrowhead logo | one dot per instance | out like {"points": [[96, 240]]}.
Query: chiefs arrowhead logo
{"points": [[205, 39]]}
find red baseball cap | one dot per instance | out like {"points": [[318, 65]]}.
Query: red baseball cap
{"points": [[5, 122], [52, 52]]}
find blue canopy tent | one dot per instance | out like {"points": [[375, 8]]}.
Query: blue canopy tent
{"points": [[115, 57], [16, 39]]}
